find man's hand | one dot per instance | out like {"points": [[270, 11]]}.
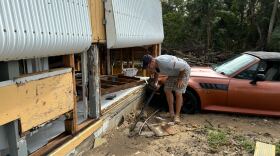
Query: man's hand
{"points": [[180, 83]]}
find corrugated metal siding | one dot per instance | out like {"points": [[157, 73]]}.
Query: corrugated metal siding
{"points": [[133, 23], [39, 28]]}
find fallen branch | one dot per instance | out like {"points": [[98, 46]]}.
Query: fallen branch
{"points": [[209, 123], [147, 121]]}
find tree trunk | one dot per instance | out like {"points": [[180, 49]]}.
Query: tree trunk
{"points": [[272, 20], [208, 29]]}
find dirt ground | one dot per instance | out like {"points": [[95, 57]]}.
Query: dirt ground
{"points": [[199, 134]]}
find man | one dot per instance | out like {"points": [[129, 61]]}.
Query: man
{"points": [[178, 72]]}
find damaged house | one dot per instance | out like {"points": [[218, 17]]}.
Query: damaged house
{"points": [[67, 70]]}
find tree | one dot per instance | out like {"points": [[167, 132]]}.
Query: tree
{"points": [[272, 20]]}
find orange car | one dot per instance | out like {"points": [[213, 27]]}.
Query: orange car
{"points": [[248, 83]]}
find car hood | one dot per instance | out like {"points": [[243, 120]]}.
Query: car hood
{"points": [[205, 72]]}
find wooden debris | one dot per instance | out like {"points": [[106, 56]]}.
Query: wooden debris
{"points": [[264, 149]]}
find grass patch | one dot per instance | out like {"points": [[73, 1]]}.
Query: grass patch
{"points": [[278, 149], [246, 144], [217, 138]]}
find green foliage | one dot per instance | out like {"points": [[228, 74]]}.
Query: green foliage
{"points": [[275, 39], [219, 25], [217, 138], [278, 149], [245, 143]]}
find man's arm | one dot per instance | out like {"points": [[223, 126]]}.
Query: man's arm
{"points": [[181, 75], [156, 78]]}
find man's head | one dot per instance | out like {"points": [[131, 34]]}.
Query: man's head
{"points": [[149, 62]]}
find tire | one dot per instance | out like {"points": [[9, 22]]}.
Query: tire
{"points": [[190, 103]]}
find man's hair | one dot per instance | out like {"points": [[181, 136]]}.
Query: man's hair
{"points": [[146, 60]]}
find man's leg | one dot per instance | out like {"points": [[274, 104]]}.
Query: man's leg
{"points": [[179, 103], [170, 101]]}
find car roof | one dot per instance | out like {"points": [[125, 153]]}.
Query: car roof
{"points": [[265, 55]]}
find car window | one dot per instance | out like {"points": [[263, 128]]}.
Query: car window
{"points": [[235, 64], [273, 71], [249, 73]]}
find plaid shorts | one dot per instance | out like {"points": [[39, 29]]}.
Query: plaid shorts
{"points": [[171, 83]]}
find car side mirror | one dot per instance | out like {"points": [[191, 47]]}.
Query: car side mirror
{"points": [[259, 77]]}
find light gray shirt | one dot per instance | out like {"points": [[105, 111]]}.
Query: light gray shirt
{"points": [[171, 65]]}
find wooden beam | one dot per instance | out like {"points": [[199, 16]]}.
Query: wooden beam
{"points": [[52, 145], [121, 87], [71, 123], [85, 82], [108, 57], [103, 85], [59, 141], [159, 49], [112, 82], [121, 59], [127, 58], [77, 140], [94, 82], [132, 57]]}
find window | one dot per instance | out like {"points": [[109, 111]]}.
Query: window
{"points": [[273, 71], [235, 64], [248, 74]]}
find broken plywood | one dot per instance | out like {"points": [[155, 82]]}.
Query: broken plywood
{"points": [[37, 101], [264, 149]]}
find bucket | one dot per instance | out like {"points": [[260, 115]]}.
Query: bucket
{"points": [[131, 72]]}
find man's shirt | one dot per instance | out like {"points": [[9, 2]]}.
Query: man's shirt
{"points": [[171, 65]]}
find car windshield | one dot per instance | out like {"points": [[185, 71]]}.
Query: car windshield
{"points": [[234, 64]]}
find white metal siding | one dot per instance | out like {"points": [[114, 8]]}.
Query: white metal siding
{"points": [[132, 23], [40, 28]]}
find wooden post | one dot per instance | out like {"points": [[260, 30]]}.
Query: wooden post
{"points": [[85, 82], [72, 121], [94, 82], [132, 57], [159, 49], [154, 52], [128, 58], [108, 62], [121, 59]]}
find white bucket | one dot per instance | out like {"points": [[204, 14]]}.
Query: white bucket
{"points": [[131, 72]]}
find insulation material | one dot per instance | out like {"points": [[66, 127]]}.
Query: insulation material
{"points": [[41, 28], [131, 23]]}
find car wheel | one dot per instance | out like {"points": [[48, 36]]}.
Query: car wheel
{"points": [[190, 103]]}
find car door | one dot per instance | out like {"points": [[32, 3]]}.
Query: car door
{"points": [[254, 98]]}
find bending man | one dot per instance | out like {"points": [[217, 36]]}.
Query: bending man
{"points": [[178, 72]]}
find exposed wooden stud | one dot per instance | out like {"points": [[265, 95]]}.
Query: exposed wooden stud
{"points": [[85, 82], [132, 57], [155, 50], [159, 49], [71, 123], [108, 62], [94, 82], [127, 54], [121, 59]]}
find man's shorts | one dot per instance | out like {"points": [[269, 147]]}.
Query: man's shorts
{"points": [[171, 83]]}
